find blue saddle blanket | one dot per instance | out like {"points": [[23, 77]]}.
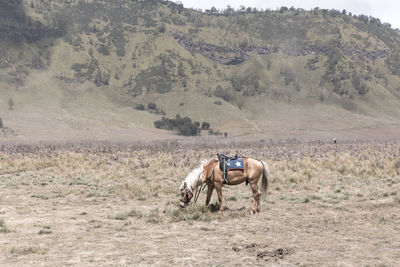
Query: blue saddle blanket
{"points": [[235, 164]]}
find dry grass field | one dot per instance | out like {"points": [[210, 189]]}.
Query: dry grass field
{"points": [[116, 204]]}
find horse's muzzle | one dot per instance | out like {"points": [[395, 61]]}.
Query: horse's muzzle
{"points": [[182, 204]]}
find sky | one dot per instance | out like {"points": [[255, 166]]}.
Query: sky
{"points": [[386, 10]]}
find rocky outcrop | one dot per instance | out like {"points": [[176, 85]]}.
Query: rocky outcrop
{"points": [[235, 56]]}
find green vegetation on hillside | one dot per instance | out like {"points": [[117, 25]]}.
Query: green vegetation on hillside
{"points": [[151, 49], [184, 126]]}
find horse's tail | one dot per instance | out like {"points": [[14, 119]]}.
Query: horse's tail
{"points": [[265, 174]]}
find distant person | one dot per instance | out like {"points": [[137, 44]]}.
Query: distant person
{"points": [[334, 140]]}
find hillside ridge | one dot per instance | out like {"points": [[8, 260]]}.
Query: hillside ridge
{"points": [[282, 73]]}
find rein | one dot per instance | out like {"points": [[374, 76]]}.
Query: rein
{"points": [[198, 191]]}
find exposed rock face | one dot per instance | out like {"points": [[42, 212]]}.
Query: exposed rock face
{"points": [[230, 56]]}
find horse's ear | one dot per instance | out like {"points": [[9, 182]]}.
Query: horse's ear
{"points": [[184, 185]]}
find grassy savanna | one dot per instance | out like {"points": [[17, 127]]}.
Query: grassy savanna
{"points": [[91, 63], [114, 204]]}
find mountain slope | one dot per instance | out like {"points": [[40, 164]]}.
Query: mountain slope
{"points": [[278, 74]]}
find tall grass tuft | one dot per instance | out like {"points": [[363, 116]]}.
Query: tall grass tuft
{"points": [[3, 227]]}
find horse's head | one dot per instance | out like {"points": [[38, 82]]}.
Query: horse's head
{"points": [[194, 179], [186, 195]]}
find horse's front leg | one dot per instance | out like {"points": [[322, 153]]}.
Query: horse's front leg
{"points": [[210, 190], [218, 187]]}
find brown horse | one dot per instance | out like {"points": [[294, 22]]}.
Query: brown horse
{"points": [[209, 173]]}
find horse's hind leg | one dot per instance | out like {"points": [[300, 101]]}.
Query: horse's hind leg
{"points": [[256, 195]]}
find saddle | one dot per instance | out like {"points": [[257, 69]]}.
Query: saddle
{"points": [[224, 161], [227, 163]]}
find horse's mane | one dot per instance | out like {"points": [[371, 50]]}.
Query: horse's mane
{"points": [[194, 178]]}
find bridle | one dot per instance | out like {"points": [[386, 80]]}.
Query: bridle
{"points": [[198, 189], [186, 199]]}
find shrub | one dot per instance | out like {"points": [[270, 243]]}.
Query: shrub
{"points": [[102, 78], [288, 75], [1, 123], [103, 49], [188, 129], [311, 63], [3, 227], [212, 132], [84, 70], [140, 107], [393, 63], [152, 106], [191, 213], [358, 84], [223, 93], [248, 84], [157, 79], [183, 126], [162, 28], [45, 231], [181, 70], [205, 125], [164, 123], [118, 38]]}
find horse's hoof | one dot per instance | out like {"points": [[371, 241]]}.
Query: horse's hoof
{"points": [[252, 212]]}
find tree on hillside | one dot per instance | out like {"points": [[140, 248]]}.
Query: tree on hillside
{"points": [[162, 28], [181, 70], [1, 123], [140, 107], [187, 129], [213, 10], [205, 125], [152, 106], [184, 126], [229, 11], [223, 93], [288, 75]]}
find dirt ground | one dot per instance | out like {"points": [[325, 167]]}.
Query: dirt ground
{"points": [[117, 205]]}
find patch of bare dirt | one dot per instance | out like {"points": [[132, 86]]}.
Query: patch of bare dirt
{"points": [[263, 252], [275, 254]]}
